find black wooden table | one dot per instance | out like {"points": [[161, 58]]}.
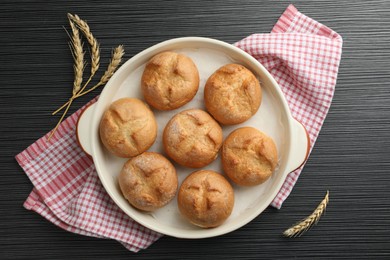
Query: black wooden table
{"points": [[351, 158]]}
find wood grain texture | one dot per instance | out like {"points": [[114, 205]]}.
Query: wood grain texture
{"points": [[351, 156]]}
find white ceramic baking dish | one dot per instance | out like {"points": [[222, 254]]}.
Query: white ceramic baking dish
{"points": [[273, 118]]}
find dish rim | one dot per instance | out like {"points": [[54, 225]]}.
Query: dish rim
{"points": [[175, 44]]}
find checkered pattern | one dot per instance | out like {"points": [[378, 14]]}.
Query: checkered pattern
{"points": [[303, 56], [68, 192], [300, 53]]}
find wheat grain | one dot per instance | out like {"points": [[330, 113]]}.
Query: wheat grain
{"points": [[95, 52], [114, 63], [94, 45], [78, 57], [301, 227], [116, 59]]}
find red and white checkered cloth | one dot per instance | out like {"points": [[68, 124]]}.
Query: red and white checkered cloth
{"points": [[302, 55]]}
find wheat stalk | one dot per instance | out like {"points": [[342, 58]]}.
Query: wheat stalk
{"points": [[93, 43], [301, 227], [78, 57], [116, 59], [62, 118], [77, 51], [95, 51]]}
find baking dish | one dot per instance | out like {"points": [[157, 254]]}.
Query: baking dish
{"points": [[273, 118]]}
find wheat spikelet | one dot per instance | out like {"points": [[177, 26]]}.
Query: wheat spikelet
{"points": [[301, 227], [114, 63], [94, 45], [78, 57], [116, 59]]}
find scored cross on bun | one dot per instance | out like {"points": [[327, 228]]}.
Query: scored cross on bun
{"points": [[206, 198], [192, 138], [232, 94], [169, 81], [128, 127]]}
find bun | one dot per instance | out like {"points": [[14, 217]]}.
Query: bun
{"points": [[232, 94], [128, 127], [192, 138], [249, 157], [169, 81], [148, 181], [206, 198]]}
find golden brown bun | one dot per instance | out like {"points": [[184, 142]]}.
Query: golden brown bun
{"points": [[192, 138], [232, 94], [169, 81], [249, 157], [206, 198], [148, 181], [128, 127]]}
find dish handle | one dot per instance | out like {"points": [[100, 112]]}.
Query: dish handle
{"points": [[83, 129], [300, 147]]}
